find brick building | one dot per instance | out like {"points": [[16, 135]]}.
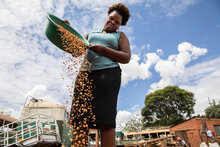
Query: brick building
{"points": [[194, 130]]}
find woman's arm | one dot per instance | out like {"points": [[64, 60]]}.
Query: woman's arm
{"points": [[122, 55]]}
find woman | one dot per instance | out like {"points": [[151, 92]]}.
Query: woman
{"points": [[108, 47]]}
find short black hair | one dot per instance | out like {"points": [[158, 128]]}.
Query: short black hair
{"points": [[122, 10]]}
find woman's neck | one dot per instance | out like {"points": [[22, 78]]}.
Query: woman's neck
{"points": [[105, 31]]}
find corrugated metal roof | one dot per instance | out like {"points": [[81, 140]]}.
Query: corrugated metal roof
{"points": [[7, 119], [148, 131]]}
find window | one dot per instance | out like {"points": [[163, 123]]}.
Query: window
{"points": [[217, 130]]}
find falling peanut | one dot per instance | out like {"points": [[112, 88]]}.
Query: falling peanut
{"points": [[82, 106]]}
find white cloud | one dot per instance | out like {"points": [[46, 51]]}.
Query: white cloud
{"points": [[203, 91], [42, 92], [95, 4], [160, 52], [202, 79], [23, 13], [178, 7], [172, 8], [27, 58], [141, 69], [138, 15], [38, 91], [148, 46], [132, 2], [173, 69], [203, 69], [143, 47], [147, 5], [135, 108], [124, 116]]}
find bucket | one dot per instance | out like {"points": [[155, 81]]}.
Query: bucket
{"points": [[53, 34]]}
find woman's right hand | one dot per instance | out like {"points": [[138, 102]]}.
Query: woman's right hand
{"points": [[66, 21]]}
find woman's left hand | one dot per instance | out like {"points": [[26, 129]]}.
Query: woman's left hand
{"points": [[66, 21]]}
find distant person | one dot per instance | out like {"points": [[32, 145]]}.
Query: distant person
{"points": [[211, 134], [181, 142]]}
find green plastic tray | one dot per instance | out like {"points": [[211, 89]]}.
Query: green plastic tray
{"points": [[52, 33]]}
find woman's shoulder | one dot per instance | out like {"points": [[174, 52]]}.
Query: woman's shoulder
{"points": [[122, 35]]}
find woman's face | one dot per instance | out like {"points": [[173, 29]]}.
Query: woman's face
{"points": [[113, 22]]}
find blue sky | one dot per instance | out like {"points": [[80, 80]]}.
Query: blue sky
{"points": [[172, 43]]}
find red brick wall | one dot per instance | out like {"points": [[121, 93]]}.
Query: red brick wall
{"points": [[210, 124], [192, 127]]}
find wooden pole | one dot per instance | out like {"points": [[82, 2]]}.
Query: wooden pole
{"points": [[97, 138]]}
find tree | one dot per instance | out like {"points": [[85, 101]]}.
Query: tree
{"points": [[134, 124], [213, 111], [168, 106]]}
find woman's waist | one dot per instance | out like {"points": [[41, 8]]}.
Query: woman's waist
{"points": [[115, 68]]}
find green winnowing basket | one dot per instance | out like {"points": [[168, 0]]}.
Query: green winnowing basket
{"points": [[53, 34]]}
